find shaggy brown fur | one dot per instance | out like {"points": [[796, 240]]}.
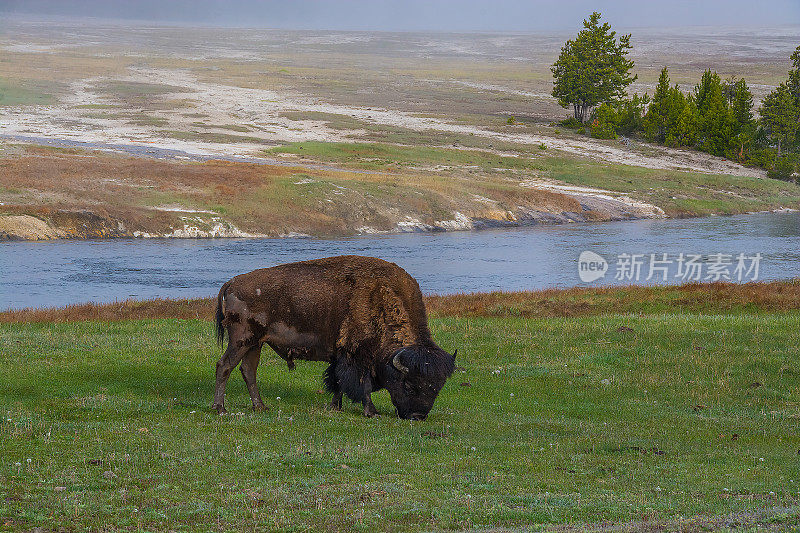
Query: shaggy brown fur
{"points": [[364, 316]]}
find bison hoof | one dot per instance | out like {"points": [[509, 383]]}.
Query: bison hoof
{"points": [[220, 409], [370, 413], [259, 407]]}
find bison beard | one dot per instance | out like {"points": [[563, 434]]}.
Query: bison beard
{"points": [[362, 315]]}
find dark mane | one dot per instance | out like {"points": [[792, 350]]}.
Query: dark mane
{"points": [[428, 360]]}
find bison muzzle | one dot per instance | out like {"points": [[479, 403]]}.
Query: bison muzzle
{"points": [[363, 316]]}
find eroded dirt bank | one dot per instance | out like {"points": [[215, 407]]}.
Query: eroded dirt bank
{"points": [[64, 193], [44, 224]]}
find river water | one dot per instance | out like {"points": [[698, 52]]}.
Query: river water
{"points": [[56, 273]]}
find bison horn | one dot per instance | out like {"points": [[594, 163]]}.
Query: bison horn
{"points": [[454, 354], [397, 364]]}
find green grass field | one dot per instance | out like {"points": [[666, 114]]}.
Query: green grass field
{"points": [[25, 92], [675, 419], [678, 193]]}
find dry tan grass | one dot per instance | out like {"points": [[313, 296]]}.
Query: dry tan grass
{"points": [[198, 308], [705, 298], [258, 198], [700, 298], [126, 188]]}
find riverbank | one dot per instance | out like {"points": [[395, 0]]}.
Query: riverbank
{"points": [[621, 409], [345, 189]]}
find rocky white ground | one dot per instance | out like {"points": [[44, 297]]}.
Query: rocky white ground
{"points": [[262, 110]]}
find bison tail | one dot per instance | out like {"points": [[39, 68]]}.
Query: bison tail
{"points": [[219, 316]]}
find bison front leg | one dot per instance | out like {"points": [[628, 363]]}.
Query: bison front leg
{"points": [[225, 365], [369, 407], [331, 381], [336, 402], [248, 367]]}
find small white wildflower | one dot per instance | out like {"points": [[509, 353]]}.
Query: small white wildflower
{"points": [[17, 464], [761, 459], [278, 398], [29, 460], [192, 412], [473, 448]]}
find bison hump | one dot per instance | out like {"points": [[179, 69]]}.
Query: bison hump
{"points": [[380, 317]]}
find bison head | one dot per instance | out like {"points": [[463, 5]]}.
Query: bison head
{"points": [[415, 375]]}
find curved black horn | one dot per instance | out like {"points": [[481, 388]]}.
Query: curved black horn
{"points": [[454, 354], [397, 364]]}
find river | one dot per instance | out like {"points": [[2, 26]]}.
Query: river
{"points": [[57, 273]]}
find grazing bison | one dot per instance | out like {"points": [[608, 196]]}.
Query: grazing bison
{"points": [[363, 316]]}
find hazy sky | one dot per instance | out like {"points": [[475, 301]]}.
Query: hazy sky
{"points": [[411, 15]]}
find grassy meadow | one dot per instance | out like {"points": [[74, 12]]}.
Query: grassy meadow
{"points": [[678, 193], [682, 415]]}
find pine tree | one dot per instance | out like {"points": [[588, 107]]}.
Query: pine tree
{"points": [[655, 121], [741, 103], [592, 69], [684, 129], [680, 120], [631, 113], [793, 83], [605, 122], [780, 115], [715, 127]]}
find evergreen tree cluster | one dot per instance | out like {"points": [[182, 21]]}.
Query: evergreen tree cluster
{"points": [[592, 74], [717, 117]]}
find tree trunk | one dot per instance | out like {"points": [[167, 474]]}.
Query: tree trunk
{"points": [[579, 111]]}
